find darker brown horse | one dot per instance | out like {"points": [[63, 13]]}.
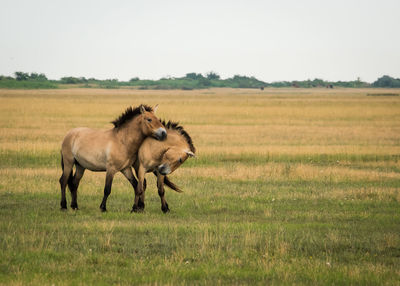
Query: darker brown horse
{"points": [[112, 151]]}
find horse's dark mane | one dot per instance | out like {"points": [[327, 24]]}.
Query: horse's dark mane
{"points": [[175, 126], [129, 114]]}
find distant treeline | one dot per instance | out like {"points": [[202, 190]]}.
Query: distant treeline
{"points": [[24, 80], [188, 82]]}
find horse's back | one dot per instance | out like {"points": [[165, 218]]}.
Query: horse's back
{"points": [[73, 135], [87, 146]]}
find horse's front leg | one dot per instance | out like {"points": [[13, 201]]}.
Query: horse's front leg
{"points": [[107, 189], [141, 172], [161, 193]]}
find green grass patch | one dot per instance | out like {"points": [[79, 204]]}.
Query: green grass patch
{"points": [[198, 245], [25, 159]]}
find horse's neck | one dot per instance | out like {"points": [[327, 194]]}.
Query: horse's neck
{"points": [[175, 139], [132, 136]]}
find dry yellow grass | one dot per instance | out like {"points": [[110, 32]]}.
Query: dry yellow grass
{"points": [[287, 121]]}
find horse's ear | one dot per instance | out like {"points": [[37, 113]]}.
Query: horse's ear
{"points": [[155, 108], [142, 109], [191, 154]]}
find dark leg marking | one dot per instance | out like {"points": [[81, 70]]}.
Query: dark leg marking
{"points": [[73, 185], [63, 184], [165, 208], [140, 204], [161, 193], [107, 191]]}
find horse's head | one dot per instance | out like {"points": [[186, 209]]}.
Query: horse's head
{"points": [[172, 158], [151, 125]]}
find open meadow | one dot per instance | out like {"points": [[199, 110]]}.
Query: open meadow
{"points": [[291, 186]]}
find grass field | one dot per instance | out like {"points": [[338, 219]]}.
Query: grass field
{"points": [[291, 186]]}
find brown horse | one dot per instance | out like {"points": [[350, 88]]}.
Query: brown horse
{"points": [[162, 158], [112, 151]]}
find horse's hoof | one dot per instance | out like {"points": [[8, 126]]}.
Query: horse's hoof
{"points": [[165, 208], [103, 207], [136, 209], [63, 204], [140, 205], [63, 209], [74, 207]]}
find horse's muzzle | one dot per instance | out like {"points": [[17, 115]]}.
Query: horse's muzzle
{"points": [[164, 169], [160, 134]]}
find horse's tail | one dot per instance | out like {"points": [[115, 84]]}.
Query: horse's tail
{"points": [[169, 184], [62, 161], [172, 185]]}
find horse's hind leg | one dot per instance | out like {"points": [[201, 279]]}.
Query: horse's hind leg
{"points": [[161, 193], [73, 184], [66, 165]]}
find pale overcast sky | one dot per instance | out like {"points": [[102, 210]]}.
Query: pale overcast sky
{"points": [[271, 40]]}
